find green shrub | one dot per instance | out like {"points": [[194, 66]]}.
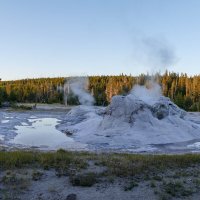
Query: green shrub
{"points": [[84, 180]]}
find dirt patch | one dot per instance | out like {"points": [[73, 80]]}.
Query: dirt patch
{"points": [[81, 176]]}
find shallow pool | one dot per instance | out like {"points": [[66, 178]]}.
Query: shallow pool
{"points": [[41, 132]]}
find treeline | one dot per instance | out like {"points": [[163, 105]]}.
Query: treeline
{"points": [[42, 90], [180, 88]]}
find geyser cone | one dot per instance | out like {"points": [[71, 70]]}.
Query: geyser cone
{"points": [[130, 122]]}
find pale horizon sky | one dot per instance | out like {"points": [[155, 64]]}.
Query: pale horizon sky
{"points": [[51, 38]]}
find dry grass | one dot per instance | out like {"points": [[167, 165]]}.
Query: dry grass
{"points": [[117, 164], [168, 175]]}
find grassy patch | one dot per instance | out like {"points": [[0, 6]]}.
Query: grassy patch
{"points": [[177, 189], [21, 107], [36, 175], [158, 178], [84, 180], [133, 164], [15, 181], [56, 160], [130, 186], [153, 184], [121, 165], [169, 176]]}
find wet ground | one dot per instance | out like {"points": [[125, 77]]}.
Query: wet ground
{"points": [[37, 130]]}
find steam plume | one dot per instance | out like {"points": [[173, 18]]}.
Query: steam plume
{"points": [[149, 93], [78, 86], [154, 53]]}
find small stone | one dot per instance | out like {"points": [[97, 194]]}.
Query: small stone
{"points": [[71, 197], [68, 133]]}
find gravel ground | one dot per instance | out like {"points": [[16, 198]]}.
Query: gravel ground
{"points": [[39, 184]]}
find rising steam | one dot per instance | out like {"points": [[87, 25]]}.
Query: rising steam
{"points": [[154, 53], [149, 93], [79, 87]]}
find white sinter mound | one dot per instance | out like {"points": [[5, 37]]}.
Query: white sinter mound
{"points": [[130, 122]]}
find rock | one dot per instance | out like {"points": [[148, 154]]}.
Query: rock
{"points": [[77, 115], [81, 113], [68, 133], [130, 122], [71, 197], [164, 107], [126, 107]]}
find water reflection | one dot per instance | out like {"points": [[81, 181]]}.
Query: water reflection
{"points": [[41, 133]]}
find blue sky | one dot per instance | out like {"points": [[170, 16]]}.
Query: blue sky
{"points": [[47, 38]]}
